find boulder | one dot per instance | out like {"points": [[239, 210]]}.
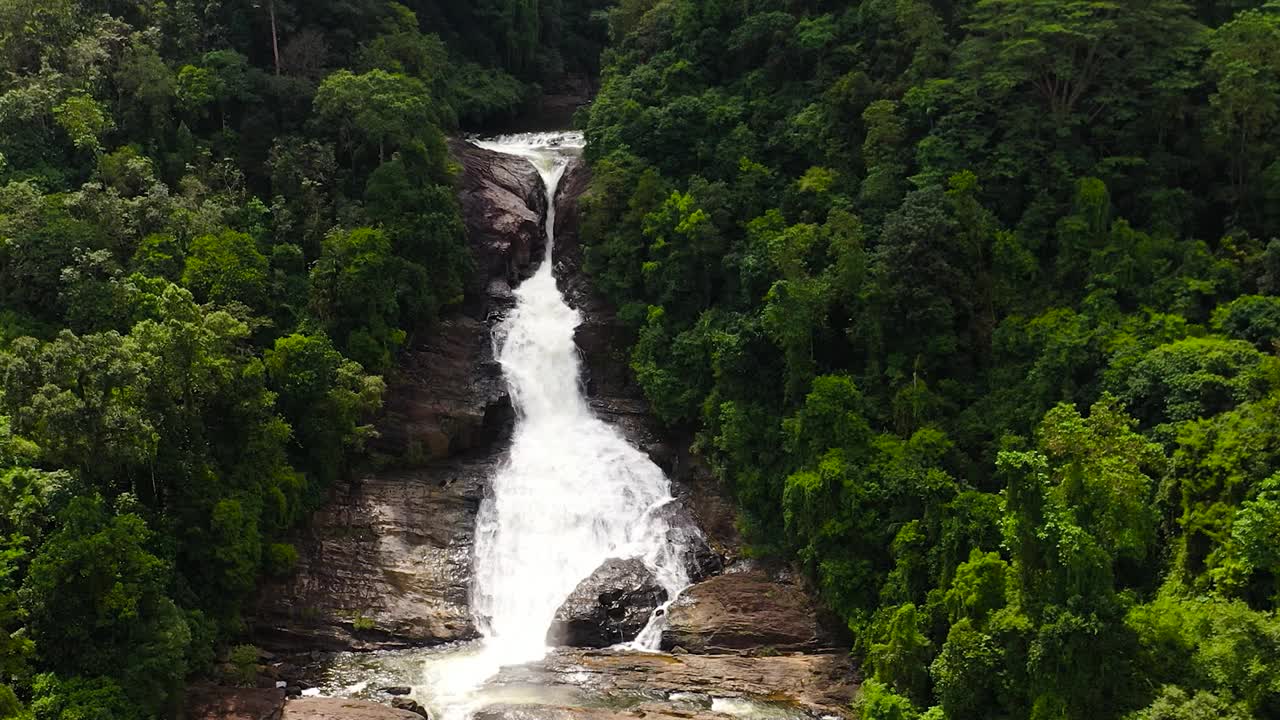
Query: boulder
{"points": [[397, 690], [611, 606], [503, 203], [342, 709], [404, 703], [748, 610]]}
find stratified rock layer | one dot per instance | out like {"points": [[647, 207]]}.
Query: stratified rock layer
{"points": [[386, 564], [815, 684]]}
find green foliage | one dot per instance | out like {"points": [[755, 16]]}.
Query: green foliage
{"points": [[350, 294], [1222, 647], [1174, 703], [1255, 318], [226, 267], [84, 120], [901, 658], [213, 218], [96, 606], [1194, 378], [376, 110], [281, 559], [99, 698], [877, 702], [881, 258], [244, 664], [324, 396]]}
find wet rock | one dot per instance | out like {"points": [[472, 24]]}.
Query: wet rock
{"points": [[748, 610], [604, 342], [213, 702], [342, 709], [503, 203], [386, 564], [530, 711], [611, 606], [709, 503], [700, 560], [403, 703], [447, 396], [816, 684], [397, 690]]}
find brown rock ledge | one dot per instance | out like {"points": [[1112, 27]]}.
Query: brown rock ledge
{"points": [[746, 610]]}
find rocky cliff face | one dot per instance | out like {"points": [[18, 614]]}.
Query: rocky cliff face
{"points": [[387, 562]]}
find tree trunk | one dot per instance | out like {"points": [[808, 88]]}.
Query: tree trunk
{"points": [[275, 41]]}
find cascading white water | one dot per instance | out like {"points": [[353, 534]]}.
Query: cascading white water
{"points": [[573, 492]]}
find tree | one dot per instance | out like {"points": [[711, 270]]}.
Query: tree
{"points": [[351, 296], [227, 267], [375, 109], [1076, 56], [1255, 318], [324, 396], [1244, 66], [84, 120], [1195, 378], [901, 658], [96, 603], [100, 698]]}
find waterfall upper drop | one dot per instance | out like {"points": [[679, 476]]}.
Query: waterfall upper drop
{"points": [[573, 492]]}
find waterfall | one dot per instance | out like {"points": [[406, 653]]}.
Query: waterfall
{"points": [[573, 492]]}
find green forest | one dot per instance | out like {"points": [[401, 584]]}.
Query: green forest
{"points": [[219, 221], [973, 304]]}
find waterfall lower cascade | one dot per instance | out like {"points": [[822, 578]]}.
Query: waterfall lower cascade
{"points": [[573, 492]]}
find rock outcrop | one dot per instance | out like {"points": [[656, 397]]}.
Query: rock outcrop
{"points": [[342, 709], [411, 705], [747, 610], [602, 338], [387, 562], [503, 205], [648, 710], [213, 702], [611, 606], [814, 684]]}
